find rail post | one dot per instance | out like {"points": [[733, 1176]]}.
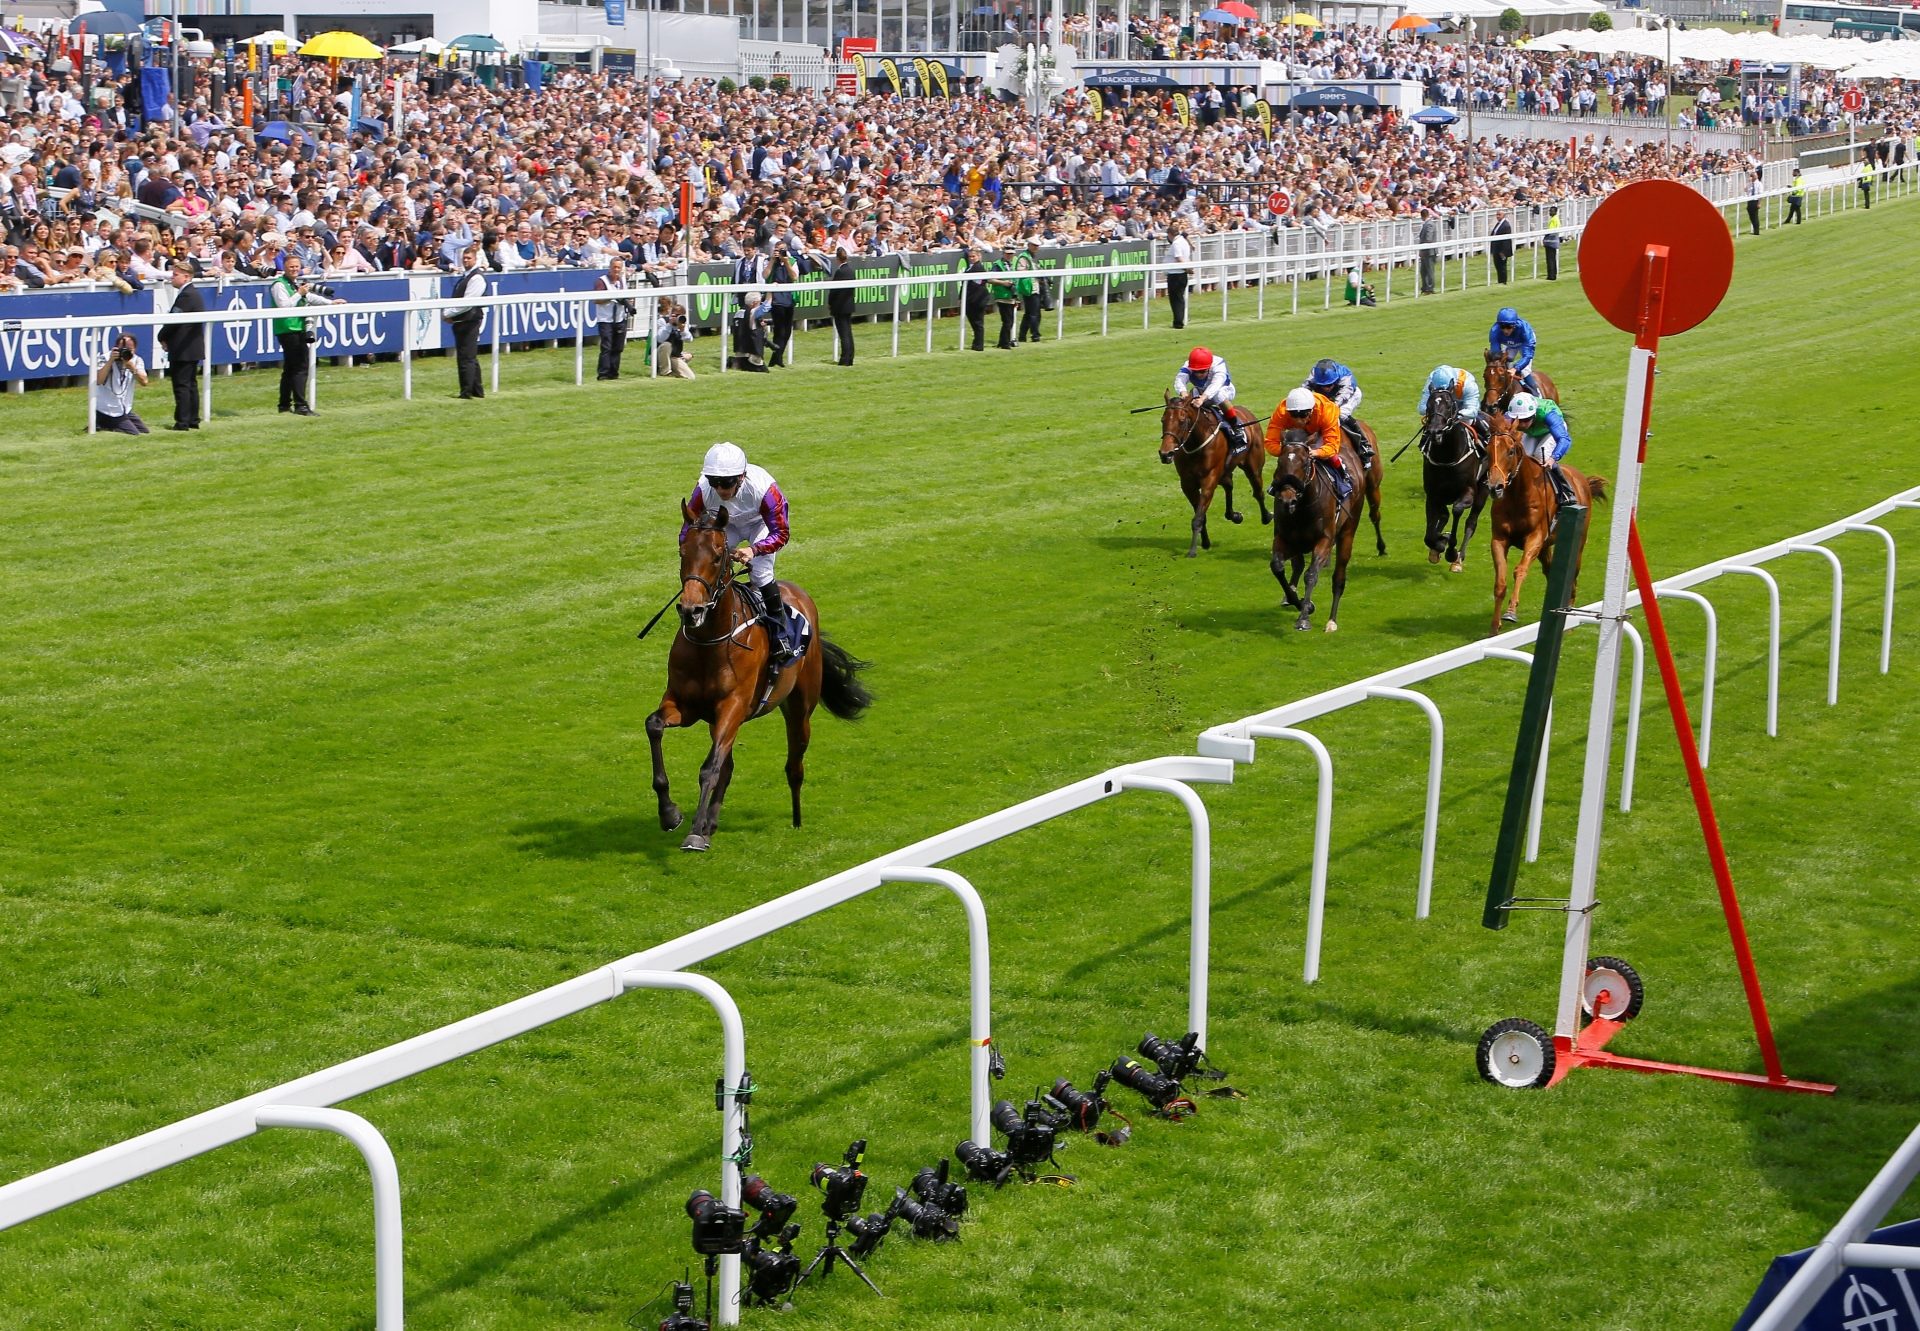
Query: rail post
{"points": [[1322, 834], [1886, 606], [1201, 881], [979, 988], [389, 1301], [1773, 641], [1833, 619], [1436, 755], [1712, 667]]}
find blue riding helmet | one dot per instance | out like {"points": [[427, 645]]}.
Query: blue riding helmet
{"points": [[1441, 380], [1507, 315], [1327, 372]]}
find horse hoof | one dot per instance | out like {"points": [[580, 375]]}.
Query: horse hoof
{"points": [[671, 817], [1192, 553], [1433, 556], [1456, 567], [1301, 625], [1235, 518], [1509, 618], [1332, 627], [695, 841], [1266, 519]]}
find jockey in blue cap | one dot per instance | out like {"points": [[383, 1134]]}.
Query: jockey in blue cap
{"points": [[1512, 337], [1334, 382]]}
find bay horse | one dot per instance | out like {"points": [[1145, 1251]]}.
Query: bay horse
{"points": [[1453, 472], [718, 671], [1312, 526], [1195, 442], [1502, 383], [1522, 514]]}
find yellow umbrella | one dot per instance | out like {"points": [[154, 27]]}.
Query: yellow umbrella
{"points": [[1302, 21], [341, 46]]}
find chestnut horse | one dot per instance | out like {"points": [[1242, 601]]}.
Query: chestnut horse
{"points": [[1311, 526], [718, 671], [1195, 442], [1453, 472], [1502, 383], [1522, 513]]}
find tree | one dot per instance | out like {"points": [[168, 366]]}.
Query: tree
{"points": [[1510, 20], [1599, 22]]}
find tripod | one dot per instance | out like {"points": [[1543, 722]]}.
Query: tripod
{"points": [[830, 1252]]}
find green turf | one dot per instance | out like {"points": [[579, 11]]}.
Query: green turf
{"points": [[318, 734]]}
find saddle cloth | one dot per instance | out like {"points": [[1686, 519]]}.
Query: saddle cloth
{"points": [[795, 630]]}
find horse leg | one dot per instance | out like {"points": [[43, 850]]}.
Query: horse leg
{"points": [[1226, 481], [1436, 523], [1200, 512], [799, 733], [1279, 566], [1528, 553], [668, 715], [1499, 582], [714, 774], [1473, 523], [1191, 488], [1343, 551], [1251, 463], [1372, 479], [1319, 557]]}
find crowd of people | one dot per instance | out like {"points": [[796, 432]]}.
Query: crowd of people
{"points": [[593, 165]]}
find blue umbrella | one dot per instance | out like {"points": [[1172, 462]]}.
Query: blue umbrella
{"points": [[1434, 115], [276, 129], [103, 23], [1326, 98], [1226, 16]]}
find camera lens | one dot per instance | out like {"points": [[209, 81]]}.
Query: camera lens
{"points": [[1159, 1091], [926, 1222], [983, 1163], [1005, 1117]]}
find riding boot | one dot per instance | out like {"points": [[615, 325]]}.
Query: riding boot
{"points": [[1358, 438], [1563, 495], [774, 616]]}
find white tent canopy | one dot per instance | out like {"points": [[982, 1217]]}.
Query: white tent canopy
{"points": [[1859, 59]]}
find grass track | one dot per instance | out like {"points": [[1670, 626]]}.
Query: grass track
{"points": [[319, 734]]}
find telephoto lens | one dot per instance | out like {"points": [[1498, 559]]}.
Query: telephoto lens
{"points": [[1029, 1136], [984, 1164], [932, 1186], [718, 1229], [869, 1232], [1177, 1059], [1163, 1093], [923, 1221], [775, 1208], [1082, 1108]]}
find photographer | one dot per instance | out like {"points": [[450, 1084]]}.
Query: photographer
{"points": [[787, 269], [115, 377], [292, 291], [611, 317], [670, 335]]}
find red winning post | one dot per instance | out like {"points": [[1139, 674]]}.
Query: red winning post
{"points": [[1655, 258]]}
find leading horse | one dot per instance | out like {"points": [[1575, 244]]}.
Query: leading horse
{"points": [[1193, 439], [1522, 514], [1312, 526], [1502, 382], [1453, 472], [719, 671]]}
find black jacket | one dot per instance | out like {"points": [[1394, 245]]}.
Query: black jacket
{"points": [[186, 342], [1502, 243], [976, 292], [840, 301]]}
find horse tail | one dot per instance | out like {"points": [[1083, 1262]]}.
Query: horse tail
{"points": [[1598, 485], [840, 687]]}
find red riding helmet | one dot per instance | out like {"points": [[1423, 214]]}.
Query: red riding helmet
{"points": [[1199, 361]]}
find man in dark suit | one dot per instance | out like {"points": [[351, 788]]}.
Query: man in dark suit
{"points": [[1502, 248], [840, 306], [466, 321], [973, 300], [186, 345]]}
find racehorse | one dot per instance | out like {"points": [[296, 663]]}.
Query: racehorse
{"points": [[718, 672], [1195, 442], [1311, 525], [1454, 473], [1522, 514], [1502, 383]]}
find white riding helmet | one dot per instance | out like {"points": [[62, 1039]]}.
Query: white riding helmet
{"points": [[1523, 407], [1300, 399], [725, 460]]}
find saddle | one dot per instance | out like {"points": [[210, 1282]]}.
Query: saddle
{"points": [[795, 630]]}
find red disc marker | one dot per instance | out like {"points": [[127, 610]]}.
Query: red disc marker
{"points": [[1613, 254]]}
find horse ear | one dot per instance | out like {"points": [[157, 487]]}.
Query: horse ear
{"points": [[720, 517], [688, 514]]}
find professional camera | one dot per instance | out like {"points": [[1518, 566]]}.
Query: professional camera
{"points": [[1081, 1108], [984, 1164], [775, 1208], [931, 1185], [125, 353], [682, 1318], [1163, 1093], [1029, 1134], [925, 1222], [718, 1229], [842, 1187], [869, 1232], [1178, 1059], [319, 289], [769, 1274]]}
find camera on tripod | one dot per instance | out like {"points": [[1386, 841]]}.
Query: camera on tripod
{"points": [[682, 1318], [842, 1186], [718, 1229], [768, 1268]]}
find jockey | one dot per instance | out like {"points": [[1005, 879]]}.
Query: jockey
{"points": [[1335, 382], [1206, 379], [1512, 337], [1308, 412], [1465, 390], [1541, 423], [756, 528]]}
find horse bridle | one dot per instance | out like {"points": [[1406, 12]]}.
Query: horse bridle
{"points": [[1286, 479], [1184, 450], [714, 588], [1459, 422]]}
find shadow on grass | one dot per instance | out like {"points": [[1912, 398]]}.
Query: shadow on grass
{"points": [[622, 834]]}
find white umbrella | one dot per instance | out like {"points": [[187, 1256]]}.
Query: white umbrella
{"points": [[269, 37], [420, 46]]}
